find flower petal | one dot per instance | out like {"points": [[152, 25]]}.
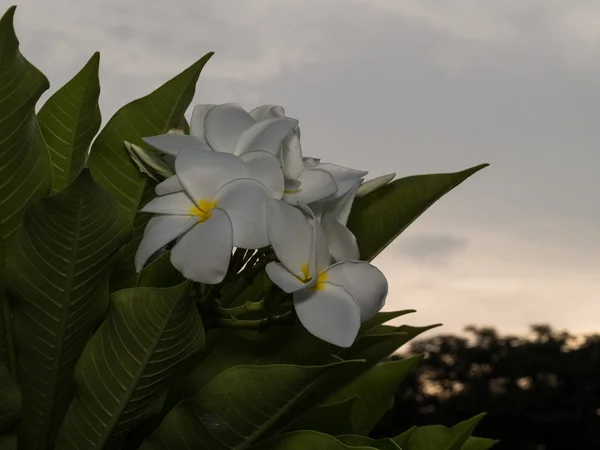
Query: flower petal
{"points": [[290, 184], [172, 144], [331, 314], [344, 177], [290, 235], [244, 200], [203, 253], [322, 255], [198, 118], [316, 185], [178, 203], [159, 231], [264, 167], [309, 161], [341, 242], [266, 135], [364, 282], [265, 112], [374, 184], [340, 207], [291, 155], [202, 174], [168, 186], [224, 124], [282, 277]]}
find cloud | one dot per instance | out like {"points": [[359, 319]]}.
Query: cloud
{"points": [[435, 249]]}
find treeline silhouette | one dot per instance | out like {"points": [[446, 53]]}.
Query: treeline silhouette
{"points": [[541, 392]]}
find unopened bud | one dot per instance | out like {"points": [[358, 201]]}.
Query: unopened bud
{"points": [[149, 162]]}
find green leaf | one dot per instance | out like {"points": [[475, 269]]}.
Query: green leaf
{"points": [[438, 437], [127, 366], [69, 120], [25, 172], [57, 273], [153, 114], [160, 273], [10, 400], [375, 391], [379, 217], [9, 442], [237, 407], [381, 318], [402, 439], [477, 443], [309, 440], [380, 444], [334, 419]]}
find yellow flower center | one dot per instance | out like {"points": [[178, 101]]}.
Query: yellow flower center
{"points": [[322, 277], [203, 209], [291, 191]]}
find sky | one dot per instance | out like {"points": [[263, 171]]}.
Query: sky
{"points": [[401, 86]]}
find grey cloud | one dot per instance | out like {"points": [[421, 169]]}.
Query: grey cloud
{"points": [[437, 249]]}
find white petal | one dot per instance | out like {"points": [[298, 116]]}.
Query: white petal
{"points": [[202, 174], [316, 185], [169, 186], [224, 124], [172, 144], [203, 253], [322, 256], [265, 112], [286, 280], [178, 203], [291, 155], [340, 207], [374, 184], [291, 184], [159, 231], [341, 242], [244, 200], [265, 168], [310, 161], [290, 235], [197, 121], [344, 177], [330, 314], [266, 135], [364, 282]]}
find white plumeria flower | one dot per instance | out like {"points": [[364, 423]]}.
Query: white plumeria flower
{"points": [[331, 301], [333, 215], [372, 185], [228, 128], [221, 207]]}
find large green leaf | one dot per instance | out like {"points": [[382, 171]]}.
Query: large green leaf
{"points": [[237, 407], [10, 400], [379, 444], [477, 443], [438, 437], [127, 366], [402, 439], [309, 440], [25, 173], [57, 273], [69, 120], [375, 391], [153, 114], [381, 318], [379, 217], [334, 419]]}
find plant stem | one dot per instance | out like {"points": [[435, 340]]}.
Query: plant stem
{"points": [[240, 311], [258, 324]]}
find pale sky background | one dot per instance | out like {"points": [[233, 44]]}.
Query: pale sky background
{"points": [[414, 87]]}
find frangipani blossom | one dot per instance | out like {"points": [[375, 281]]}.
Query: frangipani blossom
{"points": [[372, 185], [331, 301], [219, 208], [333, 215]]}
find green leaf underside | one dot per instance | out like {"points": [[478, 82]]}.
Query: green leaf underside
{"points": [[69, 120], [309, 440], [334, 418], [237, 407], [10, 400], [25, 173], [57, 273], [438, 437], [127, 366], [153, 114], [380, 216]]}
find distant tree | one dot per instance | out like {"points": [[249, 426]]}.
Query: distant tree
{"points": [[541, 392]]}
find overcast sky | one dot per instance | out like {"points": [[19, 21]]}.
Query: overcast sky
{"points": [[414, 87]]}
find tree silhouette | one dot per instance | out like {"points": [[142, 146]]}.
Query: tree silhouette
{"points": [[541, 392]]}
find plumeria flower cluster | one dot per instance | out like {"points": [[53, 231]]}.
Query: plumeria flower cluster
{"points": [[240, 180]]}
